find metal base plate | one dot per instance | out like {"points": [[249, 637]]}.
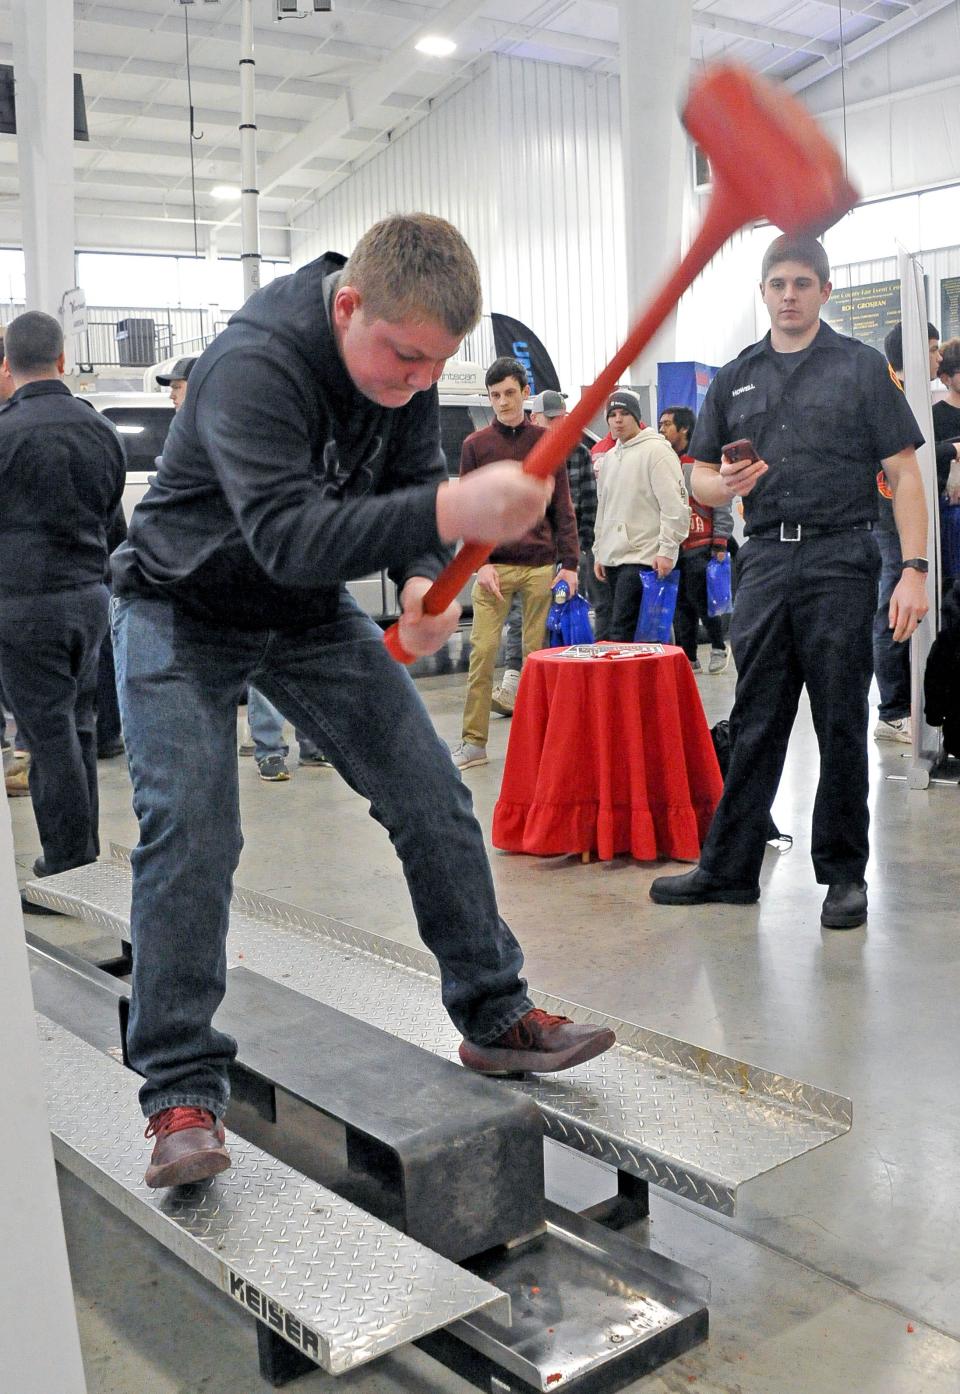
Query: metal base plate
{"points": [[337, 1284], [689, 1120], [591, 1310]]}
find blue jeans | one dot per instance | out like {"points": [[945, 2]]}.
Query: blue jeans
{"points": [[266, 728], [891, 662], [180, 681]]}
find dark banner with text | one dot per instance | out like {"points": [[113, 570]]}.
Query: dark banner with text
{"points": [[513, 339]]}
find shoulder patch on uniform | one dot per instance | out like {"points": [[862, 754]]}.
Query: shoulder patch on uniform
{"points": [[739, 391]]}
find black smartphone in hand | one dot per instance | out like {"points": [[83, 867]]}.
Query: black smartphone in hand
{"points": [[740, 452]]}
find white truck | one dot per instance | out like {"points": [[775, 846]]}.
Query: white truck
{"points": [[143, 419]]}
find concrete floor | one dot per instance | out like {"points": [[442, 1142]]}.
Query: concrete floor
{"points": [[842, 1272]]}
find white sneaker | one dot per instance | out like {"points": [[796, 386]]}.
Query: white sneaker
{"points": [[502, 701], [465, 755], [510, 681], [719, 659], [894, 731]]}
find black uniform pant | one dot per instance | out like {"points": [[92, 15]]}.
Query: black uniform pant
{"points": [[692, 603], [49, 651], [108, 708], [803, 617], [601, 600], [626, 600]]}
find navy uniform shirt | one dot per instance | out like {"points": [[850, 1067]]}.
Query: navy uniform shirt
{"points": [[61, 480], [823, 419]]}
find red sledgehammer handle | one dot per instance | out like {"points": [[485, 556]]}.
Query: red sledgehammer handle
{"points": [[753, 133], [552, 449]]}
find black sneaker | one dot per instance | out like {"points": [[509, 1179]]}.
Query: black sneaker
{"points": [[845, 905], [273, 769], [315, 760], [698, 887]]}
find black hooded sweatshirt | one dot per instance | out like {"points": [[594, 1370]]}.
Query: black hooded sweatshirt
{"points": [[279, 481]]}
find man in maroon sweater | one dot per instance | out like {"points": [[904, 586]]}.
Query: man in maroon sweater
{"points": [[528, 566]]}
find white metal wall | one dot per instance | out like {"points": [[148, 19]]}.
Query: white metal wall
{"points": [[723, 313], [902, 109], [526, 162], [718, 316], [444, 165], [561, 268]]}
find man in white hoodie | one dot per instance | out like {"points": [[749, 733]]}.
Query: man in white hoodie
{"points": [[643, 514]]}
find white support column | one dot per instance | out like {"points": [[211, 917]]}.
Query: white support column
{"points": [[43, 72], [211, 304], [250, 195], [654, 75], [926, 741], [39, 1342]]}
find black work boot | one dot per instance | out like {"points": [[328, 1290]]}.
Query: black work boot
{"points": [[698, 887], [845, 905]]}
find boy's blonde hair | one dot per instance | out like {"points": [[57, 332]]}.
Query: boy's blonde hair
{"points": [[416, 265]]}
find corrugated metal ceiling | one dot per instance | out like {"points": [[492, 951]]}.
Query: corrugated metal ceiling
{"points": [[132, 57]]}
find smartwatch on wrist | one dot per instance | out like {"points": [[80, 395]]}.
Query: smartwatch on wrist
{"points": [[916, 564]]}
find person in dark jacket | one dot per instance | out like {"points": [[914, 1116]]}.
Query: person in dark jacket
{"points": [[177, 379], [61, 480], [941, 679], [14, 768], [307, 453], [526, 566], [545, 410]]}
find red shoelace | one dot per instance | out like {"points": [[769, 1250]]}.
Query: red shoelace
{"points": [[521, 1030], [175, 1120]]}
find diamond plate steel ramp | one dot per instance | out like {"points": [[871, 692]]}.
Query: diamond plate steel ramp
{"points": [[339, 1285], [693, 1122]]}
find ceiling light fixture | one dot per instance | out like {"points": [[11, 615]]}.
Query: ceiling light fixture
{"points": [[225, 191], [436, 46]]}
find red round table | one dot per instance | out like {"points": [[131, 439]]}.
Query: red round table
{"points": [[609, 755]]}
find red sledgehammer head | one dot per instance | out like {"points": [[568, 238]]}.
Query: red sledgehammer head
{"points": [[767, 151], [769, 160]]}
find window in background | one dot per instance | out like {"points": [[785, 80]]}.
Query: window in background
{"points": [[137, 279], [12, 275]]}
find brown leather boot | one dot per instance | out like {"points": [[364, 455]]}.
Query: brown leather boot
{"points": [[189, 1147], [17, 784], [538, 1044]]}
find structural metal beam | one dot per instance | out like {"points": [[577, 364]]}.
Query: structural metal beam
{"points": [[867, 43]]}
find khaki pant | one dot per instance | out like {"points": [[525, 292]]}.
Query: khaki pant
{"points": [[489, 613]]}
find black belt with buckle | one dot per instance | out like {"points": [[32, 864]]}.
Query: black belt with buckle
{"points": [[798, 532]]}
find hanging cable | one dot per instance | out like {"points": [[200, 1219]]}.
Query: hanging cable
{"points": [[193, 133], [843, 88]]}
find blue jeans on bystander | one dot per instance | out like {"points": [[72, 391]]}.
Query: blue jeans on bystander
{"points": [[891, 662]]}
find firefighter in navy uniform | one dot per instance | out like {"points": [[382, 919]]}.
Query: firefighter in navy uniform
{"points": [[820, 411]]}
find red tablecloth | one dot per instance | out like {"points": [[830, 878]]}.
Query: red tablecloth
{"points": [[607, 755]]}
